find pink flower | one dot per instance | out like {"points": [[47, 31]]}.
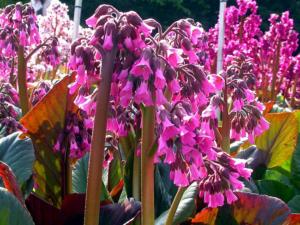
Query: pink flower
{"points": [[170, 130], [230, 196], [238, 104], [195, 174], [129, 43], [180, 178], [187, 138], [250, 96], [239, 165], [108, 42], [145, 28], [236, 184], [215, 200], [174, 86], [142, 68], [23, 38], [126, 94], [207, 87], [160, 98], [160, 80], [91, 21], [174, 56], [112, 125], [143, 95], [218, 81]]}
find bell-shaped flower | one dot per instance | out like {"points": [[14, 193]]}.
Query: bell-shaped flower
{"points": [[143, 95]]}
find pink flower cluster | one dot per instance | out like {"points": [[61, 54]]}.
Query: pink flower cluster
{"points": [[18, 27], [57, 23], [272, 52], [166, 70], [76, 136], [75, 139], [277, 47], [9, 113], [246, 111], [40, 91]]}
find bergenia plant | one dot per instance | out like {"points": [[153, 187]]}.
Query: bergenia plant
{"points": [[272, 52], [57, 23], [132, 63], [18, 34]]}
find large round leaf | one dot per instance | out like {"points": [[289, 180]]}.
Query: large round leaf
{"points": [[248, 209], [11, 211], [44, 122], [293, 219], [79, 178], [18, 153], [276, 189], [259, 209], [295, 162], [164, 188], [294, 204], [279, 142]]}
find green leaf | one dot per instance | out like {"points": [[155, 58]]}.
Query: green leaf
{"points": [[295, 165], [79, 178], [279, 142], [235, 146], [11, 211], [278, 109], [114, 171], [18, 153], [128, 173], [295, 162], [186, 207], [294, 204], [273, 174], [275, 189], [164, 188]]}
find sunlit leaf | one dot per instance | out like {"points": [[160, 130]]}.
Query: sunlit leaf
{"points": [[259, 209], [280, 140], [43, 123], [206, 216]]}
